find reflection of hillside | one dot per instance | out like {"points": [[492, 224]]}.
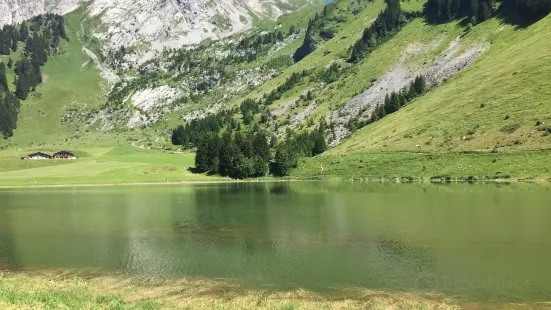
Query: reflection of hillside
{"points": [[9, 257], [268, 234], [288, 234]]}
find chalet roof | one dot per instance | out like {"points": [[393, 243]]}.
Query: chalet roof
{"points": [[39, 154], [64, 153]]}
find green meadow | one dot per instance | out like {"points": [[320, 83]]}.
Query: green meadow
{"points": [[531, 166], [108, 165]]}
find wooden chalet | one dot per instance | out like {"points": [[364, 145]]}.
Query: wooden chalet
{"points": [[64, 155], [39, 155]]}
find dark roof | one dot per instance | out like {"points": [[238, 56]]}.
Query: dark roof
{"points": [[39, 154], [64, 153]]}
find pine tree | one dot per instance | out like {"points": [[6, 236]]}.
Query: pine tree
{"points": [[207, 155], [23, 33], [9, 111], [3, 80], [22, 88], [229, 152], [260, 146], [14, 39], [273, 141], [285, 160], [178, 135], [320, 145]]}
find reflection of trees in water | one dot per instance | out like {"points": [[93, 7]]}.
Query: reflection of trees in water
{"points": [[118, 241], [9, 257], [280, 188], [237, 211]]}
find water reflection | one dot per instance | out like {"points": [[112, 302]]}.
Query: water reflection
{"points": [[467, 240], [9, 256]]}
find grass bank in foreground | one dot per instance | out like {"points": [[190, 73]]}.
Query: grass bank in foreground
{"points": [[65, 290], [466, 166], [99, 165], [43, 290]]}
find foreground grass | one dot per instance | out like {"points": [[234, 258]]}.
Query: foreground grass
{"points": [[65, 290], [57, 291], [109, 165], [473, 166]]}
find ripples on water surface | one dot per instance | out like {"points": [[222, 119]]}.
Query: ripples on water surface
{"points": [[476, 242]]}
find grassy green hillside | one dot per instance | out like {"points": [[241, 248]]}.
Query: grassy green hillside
{"points": [[490, 121], [495, 103], [70, 80]]}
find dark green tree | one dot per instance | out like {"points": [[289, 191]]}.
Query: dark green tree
{"points": [[228, 154], [285, 160], [3, 80], [260, 146], [178, 135], [23, 32], [207, 155]]}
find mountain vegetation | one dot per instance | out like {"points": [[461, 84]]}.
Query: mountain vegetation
{"points": [[386, 24], [40, 38]]}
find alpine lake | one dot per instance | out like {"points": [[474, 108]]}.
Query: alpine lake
{"points": [[472, 242]]}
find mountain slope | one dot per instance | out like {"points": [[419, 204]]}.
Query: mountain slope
{"points": [[495, 103], [490, 121]]}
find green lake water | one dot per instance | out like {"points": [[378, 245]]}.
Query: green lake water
{"points": [[473, 242]]}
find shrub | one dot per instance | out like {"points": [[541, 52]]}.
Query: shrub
{"points": [[510, 128]]}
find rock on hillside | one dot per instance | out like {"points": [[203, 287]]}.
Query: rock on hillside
{"points": [[16, 11], [162, 23]]}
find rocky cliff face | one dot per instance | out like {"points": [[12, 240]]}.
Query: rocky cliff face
{"points": [[16, 11], [171, 23], [161, 23]]}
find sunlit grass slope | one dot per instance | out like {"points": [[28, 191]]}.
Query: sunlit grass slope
{"points": [[491, 121], [70, 79], [496, 103], [335, 48]]}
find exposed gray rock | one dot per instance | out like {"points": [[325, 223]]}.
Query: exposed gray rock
{"points": [[447, 65], [160, 23], [150, 98]]}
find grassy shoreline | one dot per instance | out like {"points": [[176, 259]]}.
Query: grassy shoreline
{"points": [[57, 290], [120, 166], [66, 289], [526, 166], [272, 180]]}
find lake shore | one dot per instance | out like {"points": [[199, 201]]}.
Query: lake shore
{"points": [[45, 289], [139, 167], [65, 289], [274, 180], [526, 166]]}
